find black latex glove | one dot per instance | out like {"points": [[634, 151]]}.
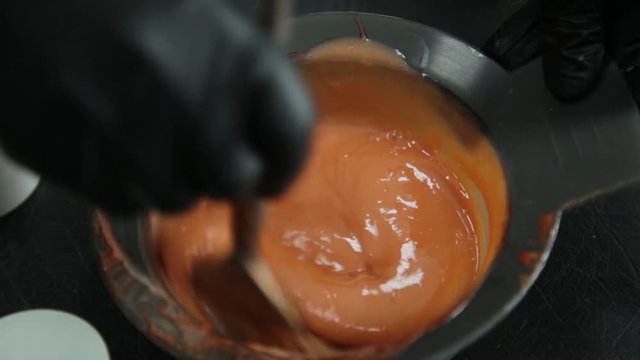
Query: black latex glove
{"points": [[149, 103], [574, 37]]}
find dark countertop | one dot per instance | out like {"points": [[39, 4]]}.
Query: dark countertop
{"points": [[585, 305], [586, 302]]}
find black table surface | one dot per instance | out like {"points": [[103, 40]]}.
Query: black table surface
{"points": [[585, 305]]}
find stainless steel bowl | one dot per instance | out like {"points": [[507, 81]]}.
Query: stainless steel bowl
{"points": [[552, 154]]}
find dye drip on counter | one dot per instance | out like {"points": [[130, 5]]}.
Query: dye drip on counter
{"points": [[392, 223]]}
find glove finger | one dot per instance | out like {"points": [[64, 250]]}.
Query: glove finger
{"points": [[519, 39], [217, 159], [573, 55], [191, 103], [231, 174], [249, 132], [279, 121], [124, 180], [624, 40]]}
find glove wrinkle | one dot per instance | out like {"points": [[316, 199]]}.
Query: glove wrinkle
{"points": [[519, 39], [573, 54]]}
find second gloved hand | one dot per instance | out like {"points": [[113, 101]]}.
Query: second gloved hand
{"points": [[149, 103], [573, 37]]}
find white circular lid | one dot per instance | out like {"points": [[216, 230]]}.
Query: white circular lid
{"points": [[49, 335]]}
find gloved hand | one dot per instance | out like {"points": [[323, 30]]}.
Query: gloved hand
{"points": [[573, 37], [149, 103]]}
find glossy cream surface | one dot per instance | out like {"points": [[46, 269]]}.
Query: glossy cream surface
{"points": [[394, 219]]}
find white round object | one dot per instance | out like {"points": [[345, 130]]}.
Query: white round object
{"points": [[49, 335], [16, 184]]}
